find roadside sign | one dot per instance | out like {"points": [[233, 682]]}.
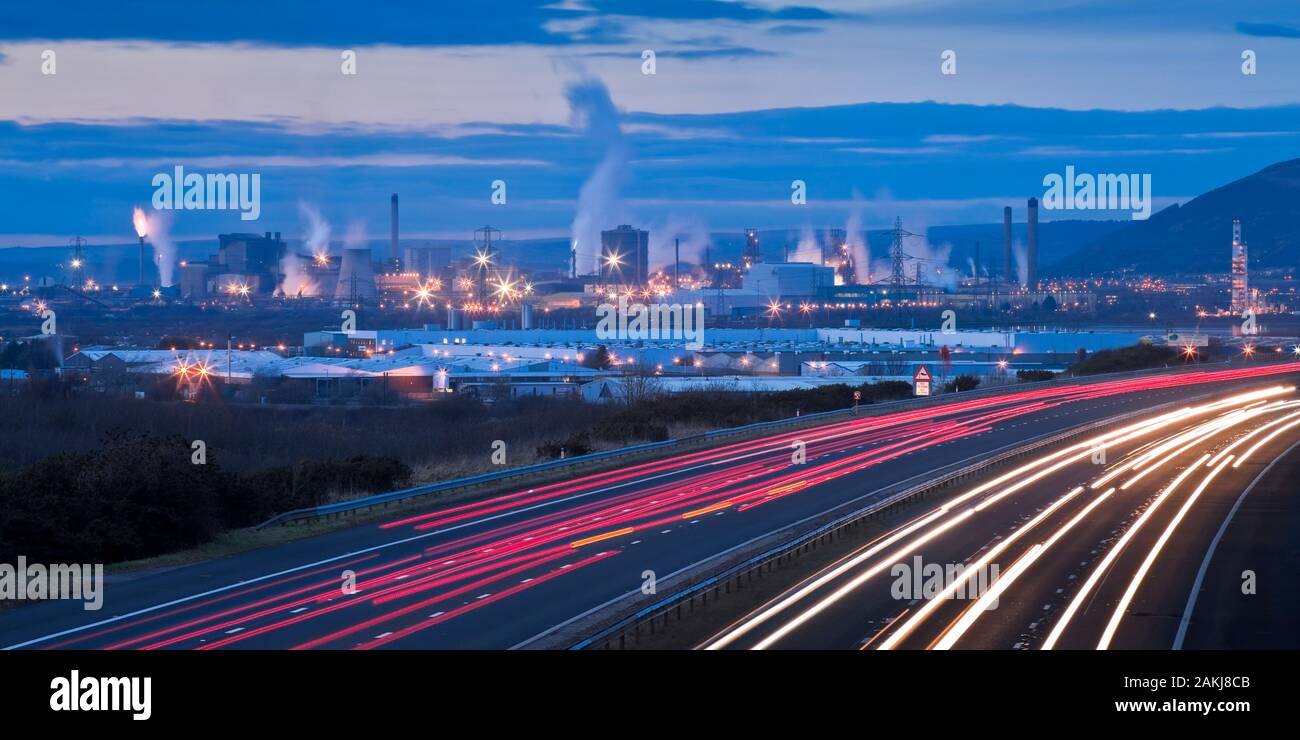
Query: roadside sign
{"points": [[921, 381]]}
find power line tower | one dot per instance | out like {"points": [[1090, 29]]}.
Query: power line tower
{"points": [[898, 275], [78, 261]]}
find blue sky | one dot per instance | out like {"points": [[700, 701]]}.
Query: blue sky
{"points": [[747, 96]]}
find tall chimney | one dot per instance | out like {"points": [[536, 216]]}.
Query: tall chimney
{"points": [[677, 265], [1032, 253], [392, 244], [141, 260], [1007, 274]]}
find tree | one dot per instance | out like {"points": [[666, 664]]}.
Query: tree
{"points": [[597, 359], [170, 342], [962, 383], [34, 355]]}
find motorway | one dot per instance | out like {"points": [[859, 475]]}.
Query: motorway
{"points": [[1175, 531], [504, 571]]}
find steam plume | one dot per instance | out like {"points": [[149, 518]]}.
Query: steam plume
{"points": [[592, 110]]}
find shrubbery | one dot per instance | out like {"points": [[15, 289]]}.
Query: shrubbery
{"points": [[141, 495], [1030, 376], [1137, 357], [573, 446], [962, 383]]}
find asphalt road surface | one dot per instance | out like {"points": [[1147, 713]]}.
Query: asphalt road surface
{"points": [[499, 572], [1176, 531]]}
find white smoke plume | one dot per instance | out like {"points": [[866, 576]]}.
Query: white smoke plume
{"points": [[857, 240], [694, 236], [808, 250], [931, 258], [316, 238], [355, 238], [164, 249], [1022, 262], [591, 110]]}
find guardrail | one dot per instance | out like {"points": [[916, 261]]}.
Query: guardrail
{"points": [[874, 409], [773, 556]]}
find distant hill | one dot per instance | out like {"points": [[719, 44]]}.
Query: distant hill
{"points": [[1196, 236]]}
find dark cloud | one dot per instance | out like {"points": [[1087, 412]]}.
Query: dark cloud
{"points": [[344, 23], [710, 10], [790, 29], [726, 52], [1273, 30]]}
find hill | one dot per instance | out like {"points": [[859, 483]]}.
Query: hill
{"points": [[1196, 236]]}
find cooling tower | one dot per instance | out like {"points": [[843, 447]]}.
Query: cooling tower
{"points": [[1007, 275], [1032, 252], [356, 276]]}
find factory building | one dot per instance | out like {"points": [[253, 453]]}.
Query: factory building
{"points": [[625, 256], [788, 279], [246, 263], [753, 253], [257, 258], [194, 280], [427, 261]]}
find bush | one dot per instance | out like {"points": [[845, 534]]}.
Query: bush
{"points": [[28, 355], [1029, 376], [136, 496], [292, 392], [962, 383], [141, 495], [1137, 357], [577, 444]]}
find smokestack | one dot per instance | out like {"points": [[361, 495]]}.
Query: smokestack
{"points": [[1006, 245], [677, 265], [392, 244], [1032, 253], [141, 261], [525, 316]]}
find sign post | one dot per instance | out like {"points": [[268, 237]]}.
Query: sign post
{"points": [[921, 381]]}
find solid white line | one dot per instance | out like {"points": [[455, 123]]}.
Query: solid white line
{"points": [[1209, 554]]}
